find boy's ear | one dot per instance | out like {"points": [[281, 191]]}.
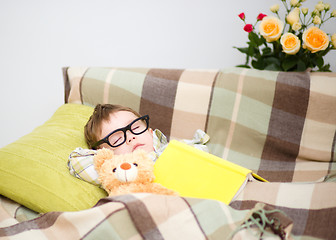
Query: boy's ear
{"points": [[150, 130]]}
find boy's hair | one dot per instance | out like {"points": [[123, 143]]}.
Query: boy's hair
{"points": [[101, 113]]}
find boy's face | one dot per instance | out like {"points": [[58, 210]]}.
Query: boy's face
{"points": [[122, 119]]}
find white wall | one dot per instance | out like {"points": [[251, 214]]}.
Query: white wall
{"points": [[39, 37]]}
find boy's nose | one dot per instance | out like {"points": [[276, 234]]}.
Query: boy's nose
{"points": [[129, 136]]}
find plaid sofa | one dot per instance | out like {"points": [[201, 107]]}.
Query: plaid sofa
{"points": [[281, 125]]}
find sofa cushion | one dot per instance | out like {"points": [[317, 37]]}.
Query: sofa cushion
{"points": [[33, 169]]}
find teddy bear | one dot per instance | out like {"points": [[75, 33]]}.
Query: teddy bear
{"points": [[127, 173]]}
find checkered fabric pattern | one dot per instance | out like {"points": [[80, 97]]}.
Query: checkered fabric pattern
{"points": [[280, 125], [139, 216]]}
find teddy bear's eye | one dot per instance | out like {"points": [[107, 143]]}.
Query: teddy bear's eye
{"points": [[114, 169], [135, 164]]}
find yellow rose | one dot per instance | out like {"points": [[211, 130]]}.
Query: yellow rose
{"points": [[315, 12], [304, 11], [294, 2], [290, 43], [314, 39], [333, 40], [271, 28], [275, 8], [296, 26], [317, 20], [333, 13], [293, 16], [319, 7]]}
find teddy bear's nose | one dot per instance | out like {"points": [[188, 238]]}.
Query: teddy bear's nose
{"points": [[125, 166], [126, 172]]}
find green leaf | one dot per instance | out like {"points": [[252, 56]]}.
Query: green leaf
{"points": [[273, 67], [272, 60], [325, 68], [289, 63], [312, 62], [324, 52], [253, 44], [262, 40], [258, 64], [243, 50], [319, 62], [243, 66], [301, 66], [253, 37], [251, 51], [267, 51]]}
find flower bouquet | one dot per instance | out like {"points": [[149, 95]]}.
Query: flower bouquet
{"points": [[295, 44]]}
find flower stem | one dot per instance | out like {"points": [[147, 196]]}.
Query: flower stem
{"points": [[285, 4]]}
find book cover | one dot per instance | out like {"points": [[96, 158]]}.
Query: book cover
{"points": [[194, 173]]}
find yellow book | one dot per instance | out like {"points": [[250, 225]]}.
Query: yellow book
{"points": [[194, 173]]}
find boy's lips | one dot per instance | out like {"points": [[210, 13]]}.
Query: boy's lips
{"points": [[137, 146]]}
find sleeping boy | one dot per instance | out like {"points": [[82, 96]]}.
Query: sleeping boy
{"points": [[122, 130]]}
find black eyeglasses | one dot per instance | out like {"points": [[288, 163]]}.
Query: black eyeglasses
{"points": [[118, 137]]}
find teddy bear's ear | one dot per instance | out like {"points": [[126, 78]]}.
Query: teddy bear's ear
{"points": [[101, 156], [140, 156]]}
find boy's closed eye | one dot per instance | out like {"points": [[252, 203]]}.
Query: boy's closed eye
{"points": [[117, 141], [135, 128]]}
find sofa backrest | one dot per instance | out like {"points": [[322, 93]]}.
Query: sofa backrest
{"points": [[280, 125]]}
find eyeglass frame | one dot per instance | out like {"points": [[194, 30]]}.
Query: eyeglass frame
{"points": [[124, 130]]}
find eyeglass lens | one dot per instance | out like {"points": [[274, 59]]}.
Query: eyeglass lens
{"points": [[136, 128]]}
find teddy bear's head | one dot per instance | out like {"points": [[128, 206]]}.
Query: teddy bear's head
{"points": [[117, 170]]}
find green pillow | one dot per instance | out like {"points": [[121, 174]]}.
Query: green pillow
{"points": [[34, 172]]}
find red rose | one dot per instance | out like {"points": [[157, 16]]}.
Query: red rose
{"points": [[242, 16], [261, 16], [248, 28]]}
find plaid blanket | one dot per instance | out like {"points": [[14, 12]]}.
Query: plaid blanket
{"points": [[146, 216], [311, 206]]}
